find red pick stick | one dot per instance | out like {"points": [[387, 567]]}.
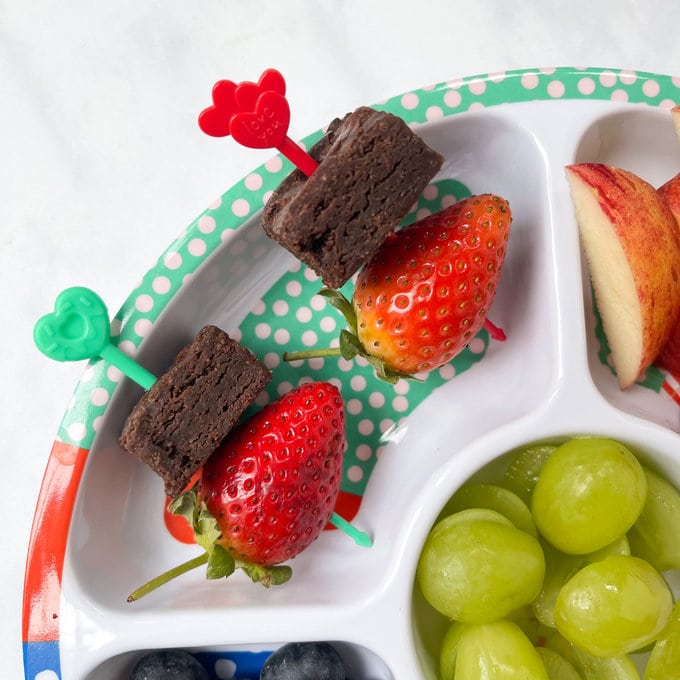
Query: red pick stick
{"points": [[256, 115]]}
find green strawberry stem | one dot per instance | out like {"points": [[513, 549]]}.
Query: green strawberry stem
{"points": [[312, 353], [168, 575], [220, 565]]}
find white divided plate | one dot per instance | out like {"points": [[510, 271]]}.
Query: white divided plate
{"points": [[99, 529]]}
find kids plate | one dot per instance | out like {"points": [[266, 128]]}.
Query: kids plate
{"points": [[100, 528]]}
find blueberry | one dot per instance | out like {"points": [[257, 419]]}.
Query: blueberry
{"points": [[168, 665], [304, 661]]}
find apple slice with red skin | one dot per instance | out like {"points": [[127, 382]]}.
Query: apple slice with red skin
{"points": [[669, 356], [632, 246]]}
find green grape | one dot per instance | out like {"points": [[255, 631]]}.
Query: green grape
{"points": [[470, 514], [493, 497], [490, 651], [618, 546], [664, 661], [448, 655], [525, 619], [591, 667], [475, 571], [522, 473], [429, 626], [654, 536], [589, 492], [614, 606], [557, 666], [560, 567]]}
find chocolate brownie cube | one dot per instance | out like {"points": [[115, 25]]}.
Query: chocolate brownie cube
{"points": [[372, 168], [183, 418]]}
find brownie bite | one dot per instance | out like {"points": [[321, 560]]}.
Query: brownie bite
{"points": [[183, 418], [372, 168]]}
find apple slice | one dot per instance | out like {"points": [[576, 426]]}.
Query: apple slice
{"points": [[670, 192], [669, 356], [632, 247], [675, 114]]}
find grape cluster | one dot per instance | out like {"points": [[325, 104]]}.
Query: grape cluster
{"points": [[558, 570]]}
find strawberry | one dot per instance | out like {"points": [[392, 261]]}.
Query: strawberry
{"points": [[269, 490], [425, 293]]}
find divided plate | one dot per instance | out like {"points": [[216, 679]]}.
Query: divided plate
{"points": [[99, 529]]}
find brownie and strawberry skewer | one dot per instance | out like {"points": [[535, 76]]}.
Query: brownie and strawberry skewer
{"points": [[267, 486], [423, 292]]}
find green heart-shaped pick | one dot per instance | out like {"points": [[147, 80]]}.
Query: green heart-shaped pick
{"points": [[78, 328]]}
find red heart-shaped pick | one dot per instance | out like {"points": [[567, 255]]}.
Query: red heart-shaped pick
{"points": [[272, 80], [255, 115], [247, 93], [264, 127], [230, 99], [214, 120]]}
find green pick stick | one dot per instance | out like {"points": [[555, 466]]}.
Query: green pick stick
{"points": [[361, 538], [79, 328]]}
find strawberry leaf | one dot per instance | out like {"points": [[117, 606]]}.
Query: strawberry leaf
{"points": [[206, 530], [184, 506], [267, 576], [343, 305], [220, 563], [386, 373], [350, 345], [382, 371]]}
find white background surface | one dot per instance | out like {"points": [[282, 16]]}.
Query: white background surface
{"points": [[102, 163]]}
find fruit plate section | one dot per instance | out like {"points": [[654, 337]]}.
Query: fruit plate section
{"points": [[100, 529]]}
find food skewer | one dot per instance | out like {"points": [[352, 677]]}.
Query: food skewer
{"points": [[79, 328]]}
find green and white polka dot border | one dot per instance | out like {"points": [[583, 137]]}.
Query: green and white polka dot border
{"points": [[376, 410]]}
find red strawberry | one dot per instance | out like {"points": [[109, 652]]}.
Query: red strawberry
{"points": [[272, 486], [425, 293], [269, 490]]}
